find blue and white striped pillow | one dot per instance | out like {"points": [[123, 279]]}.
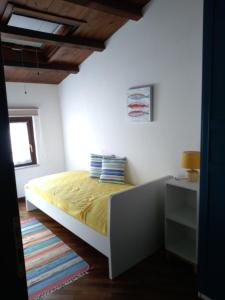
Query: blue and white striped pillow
{"points": [[113, 170], [96, 164]]}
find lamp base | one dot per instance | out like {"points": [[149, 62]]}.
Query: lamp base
{"points": [[192, 175]]}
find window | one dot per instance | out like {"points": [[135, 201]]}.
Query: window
{"points": [[30, 23], [33, 23], [22, 141]]}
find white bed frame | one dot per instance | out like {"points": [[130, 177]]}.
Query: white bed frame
{"points": [[135, 224]]}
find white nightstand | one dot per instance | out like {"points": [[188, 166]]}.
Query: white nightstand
{"points": [[181, 218]]}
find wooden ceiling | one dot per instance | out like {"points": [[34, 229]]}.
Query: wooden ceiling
{"points": [[85, 27]]}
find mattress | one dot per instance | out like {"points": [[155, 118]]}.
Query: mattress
{"points": [[84, 198]]}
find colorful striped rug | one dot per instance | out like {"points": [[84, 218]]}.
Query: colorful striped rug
{"points": [[50, 264]]}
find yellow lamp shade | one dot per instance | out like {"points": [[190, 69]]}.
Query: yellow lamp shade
{"points": [[190, 160]]}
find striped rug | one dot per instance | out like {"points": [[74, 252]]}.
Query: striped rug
{"points": [[50, 264]]}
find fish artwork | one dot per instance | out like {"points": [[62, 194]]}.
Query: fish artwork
{"points": [[137, 96], [137, 105], [137, 113]]}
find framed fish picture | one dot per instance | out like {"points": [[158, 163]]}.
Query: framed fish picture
{"points": [[140, 104]]}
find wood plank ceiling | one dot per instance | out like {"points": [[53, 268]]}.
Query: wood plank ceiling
{"points": [[84, 28]]}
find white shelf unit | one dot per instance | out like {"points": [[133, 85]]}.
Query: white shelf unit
{"points": [[181, 219]]}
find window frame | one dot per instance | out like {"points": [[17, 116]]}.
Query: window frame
{"points": [[30, 131]]}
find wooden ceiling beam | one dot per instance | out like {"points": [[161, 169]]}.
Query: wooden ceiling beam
{"points": [[114, 7], [7, 13], [52, 39], [41, 66], [31, 13]]}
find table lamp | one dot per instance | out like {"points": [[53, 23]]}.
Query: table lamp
{"points": [[191, 160]]}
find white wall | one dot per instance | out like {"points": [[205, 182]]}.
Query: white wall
{"points": [[49, 129], [164, 49]]}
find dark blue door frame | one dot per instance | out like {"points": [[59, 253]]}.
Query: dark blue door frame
{"points": [[212, 184]]}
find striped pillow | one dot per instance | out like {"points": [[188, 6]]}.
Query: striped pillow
{"points": [[113, 170], [96, 164]]}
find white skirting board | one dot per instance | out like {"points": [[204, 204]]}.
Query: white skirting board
{"points": [[135, 224]]}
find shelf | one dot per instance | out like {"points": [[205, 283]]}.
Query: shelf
{"points": [[181, 219], [185, 248], [185, 216], [184, 184]]}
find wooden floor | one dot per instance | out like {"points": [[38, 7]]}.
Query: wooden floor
{"points": [[156, 278]]}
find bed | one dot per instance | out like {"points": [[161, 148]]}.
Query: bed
{"points": [[123, 222]]}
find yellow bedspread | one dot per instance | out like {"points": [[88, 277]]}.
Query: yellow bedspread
{"points": [[79, 195]]}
